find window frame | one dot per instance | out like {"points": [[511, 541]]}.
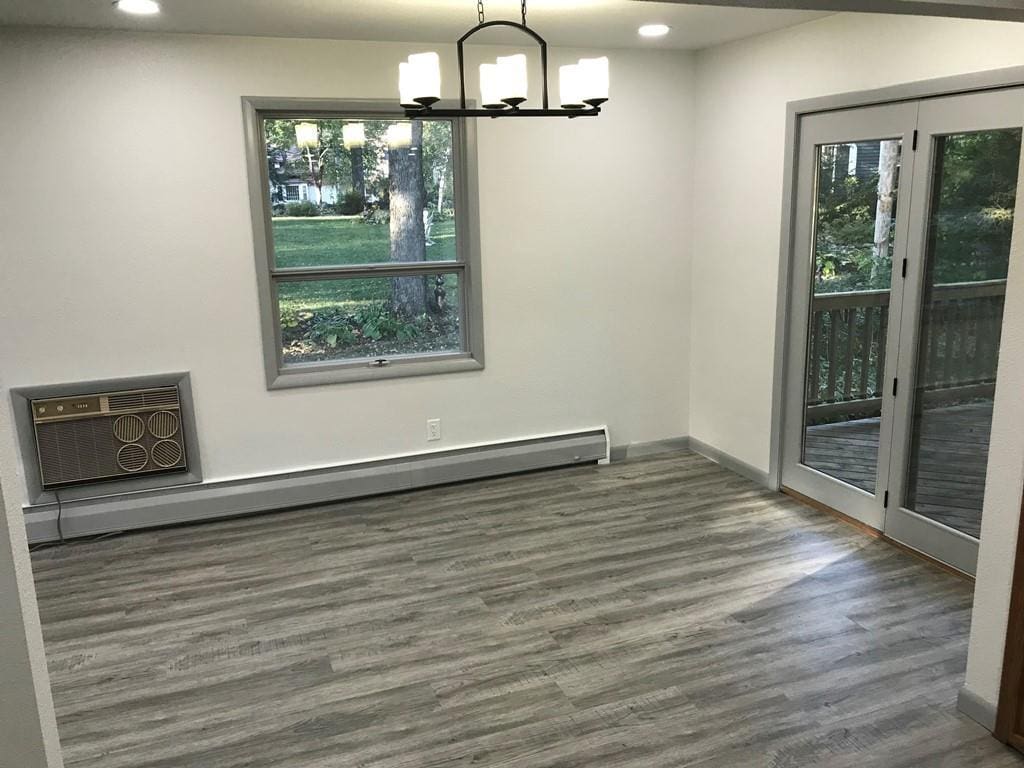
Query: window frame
{"points": [[280, 375]]}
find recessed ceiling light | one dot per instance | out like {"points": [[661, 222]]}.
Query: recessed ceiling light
{"points": [[654, 30], [139, 7]]}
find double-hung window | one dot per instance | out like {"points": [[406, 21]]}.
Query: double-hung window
{"points": [[373, 272]]}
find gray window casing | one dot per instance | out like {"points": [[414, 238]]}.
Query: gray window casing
{"points": [[467, 265]]}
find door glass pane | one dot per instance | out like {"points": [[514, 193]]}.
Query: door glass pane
{"points": [[974, 186], [854, 228]]}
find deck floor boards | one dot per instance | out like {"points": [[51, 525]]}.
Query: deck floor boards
{"points": [[654, 613], [953, 460]]}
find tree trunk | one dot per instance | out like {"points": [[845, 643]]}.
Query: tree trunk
{"points": [[442, 178], [408, 243], [842, 167], [315, 175], [887, 161], [358, 175]]}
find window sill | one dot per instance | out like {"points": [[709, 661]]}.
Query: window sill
{"points": [[339, 373]]}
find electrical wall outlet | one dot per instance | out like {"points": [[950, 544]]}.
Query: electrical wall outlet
{"points": [[433, 429]]}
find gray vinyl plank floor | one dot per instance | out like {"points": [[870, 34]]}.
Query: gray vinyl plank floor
{"points": [[657, 612]]}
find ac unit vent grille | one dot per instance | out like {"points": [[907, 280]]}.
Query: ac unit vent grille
{"points": [[75, 449], [164, 424], [129, 428], [166, 453], [129, 401], [164, 398], [132, 457]]}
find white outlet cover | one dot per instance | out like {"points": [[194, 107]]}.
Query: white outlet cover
{"points": [[433, 429]]}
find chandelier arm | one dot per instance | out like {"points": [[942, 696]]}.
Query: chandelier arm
{"points": [[419, 112], [514, 25]]}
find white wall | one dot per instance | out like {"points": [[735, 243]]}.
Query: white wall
{"points": [[742, 92], [585, 241], [1003, 484], [28, 728]]}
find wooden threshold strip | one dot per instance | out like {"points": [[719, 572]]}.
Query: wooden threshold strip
{"points": [[874, 533]]}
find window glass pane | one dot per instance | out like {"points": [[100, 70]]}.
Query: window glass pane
{"points": [[854, 231], [360, 191], [367, 318]]}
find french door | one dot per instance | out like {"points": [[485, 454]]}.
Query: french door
{"points": [[902, 241]]}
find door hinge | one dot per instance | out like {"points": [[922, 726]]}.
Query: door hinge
{"points": [[904, 267], [885, 500], [895, 385], [913, 146]]}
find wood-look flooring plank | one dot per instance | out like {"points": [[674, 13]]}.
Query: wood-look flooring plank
{"points": [[657, 612]]}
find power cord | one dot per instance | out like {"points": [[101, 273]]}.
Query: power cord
{"points": [[60, 514], [60, 528]]}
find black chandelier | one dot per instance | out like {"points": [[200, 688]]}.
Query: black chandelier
{"points": [[583, 86]]}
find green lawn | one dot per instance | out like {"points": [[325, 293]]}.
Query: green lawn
{"points": [[322, 242], [316, 242]]}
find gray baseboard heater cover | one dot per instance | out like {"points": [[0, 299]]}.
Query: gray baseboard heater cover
{"points": [[213, 500]]}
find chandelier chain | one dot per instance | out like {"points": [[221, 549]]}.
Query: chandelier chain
{"points": [[480, 11]]}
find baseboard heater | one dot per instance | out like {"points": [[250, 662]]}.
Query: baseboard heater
{"points": [[213, 500]]}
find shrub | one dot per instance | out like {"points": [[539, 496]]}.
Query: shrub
{"points": [[374, 321], [304, 208], [352, 203], [375, 215], [332, 330]]}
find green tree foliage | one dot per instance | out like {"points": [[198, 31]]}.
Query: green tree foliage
{"points": [[286, 161], [973, 212], [971, 224], [845, 227]]}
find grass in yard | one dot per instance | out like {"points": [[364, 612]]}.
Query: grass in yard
{"points": [[352, 318], [319, 242], [319, 295], [323, 242]]}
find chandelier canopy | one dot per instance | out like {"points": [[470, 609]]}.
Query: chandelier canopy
{"points": [[504, 86]]}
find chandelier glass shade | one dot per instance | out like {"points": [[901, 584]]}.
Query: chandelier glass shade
{"points": [[353, 135], [504, 83], [307, 135]]}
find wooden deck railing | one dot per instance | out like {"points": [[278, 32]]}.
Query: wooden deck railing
{"points": [[961, 324]]}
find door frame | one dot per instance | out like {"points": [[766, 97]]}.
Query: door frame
{"points": [[996, 79]]}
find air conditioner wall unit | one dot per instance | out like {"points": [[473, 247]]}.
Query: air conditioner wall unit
{"points": [[102, 438], [89, 438]]}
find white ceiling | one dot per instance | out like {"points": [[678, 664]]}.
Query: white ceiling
{"points": [[583, 23]]}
